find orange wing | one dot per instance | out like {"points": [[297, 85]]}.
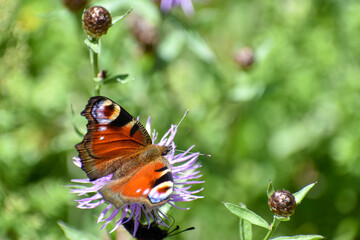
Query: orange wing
{"points": [[113, 137], [151, 185]]}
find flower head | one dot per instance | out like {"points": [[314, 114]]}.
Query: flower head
{"points": [[75, 5], [186, 5], [282, 203], [184, 171], [245, 58], [96, 21]]}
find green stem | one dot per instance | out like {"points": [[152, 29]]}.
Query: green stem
{"points": [[275, 223], [95, 65]]}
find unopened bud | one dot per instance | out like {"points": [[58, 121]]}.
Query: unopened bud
{"points": [[75, 5], [101, 75], [145, 33], [244, 58], [282, 203], [96, 21]]}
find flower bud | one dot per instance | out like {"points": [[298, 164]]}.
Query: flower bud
{"points": [[75, 5], [96, 21], [101, 75], [145, 33], [282, 203], [244, 58]]}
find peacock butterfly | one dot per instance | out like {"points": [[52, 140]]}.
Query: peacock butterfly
{"points": [[116, 143]]}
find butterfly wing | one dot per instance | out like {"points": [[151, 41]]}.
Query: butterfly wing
{"points": [[151, 185], [113, 137]]}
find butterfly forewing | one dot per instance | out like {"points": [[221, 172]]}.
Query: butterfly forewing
{"points": [[113, 136]]}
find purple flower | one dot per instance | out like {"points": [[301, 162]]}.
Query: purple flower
{"points": [[186, 5], [184, 171]]}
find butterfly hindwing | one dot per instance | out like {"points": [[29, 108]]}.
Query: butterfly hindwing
{"points": [[151, 185], [113, 137]]}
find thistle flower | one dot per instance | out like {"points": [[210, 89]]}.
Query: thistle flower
{"points": [[186, 5], [184, 170]]}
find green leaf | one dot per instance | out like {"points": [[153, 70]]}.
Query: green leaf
{"points": [[172, 45], [119, 18], [245, 229], [117, 78], [283, 219], [299, 196], [73, 234], [300, 237], [144, 8], [200, 48], [76, 129], [270, 189], [243, 212], [93, 45]]}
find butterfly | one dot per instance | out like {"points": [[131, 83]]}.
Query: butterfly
{"points": [[118, 144], [152, 232]]}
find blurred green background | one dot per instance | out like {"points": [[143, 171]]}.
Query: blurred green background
{"points": [[293, 116]]}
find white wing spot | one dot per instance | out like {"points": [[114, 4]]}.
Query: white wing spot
{"points": [[155, 196], [146, 191], [137, 191], [102, 129], [102, 138]]}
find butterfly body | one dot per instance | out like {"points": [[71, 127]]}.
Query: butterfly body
{"points": [[116, 143], [154, 231]]}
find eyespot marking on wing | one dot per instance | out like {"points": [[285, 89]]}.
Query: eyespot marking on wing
{"points": [[105, 111], [161, 192]]}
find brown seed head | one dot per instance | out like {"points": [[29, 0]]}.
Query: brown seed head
{"points": [[75, 5], [145, 33], [244, 58], [96, 21], [282, 203]]}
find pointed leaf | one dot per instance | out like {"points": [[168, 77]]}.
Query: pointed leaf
{"points": [[118, 18], [144, 8], [76, 129], [247, 214], [302, 193], [200, 48], [92, 45], [117, 78], [73, 234], [300, 237], [270, 189], [172, 45], [245, 229]]}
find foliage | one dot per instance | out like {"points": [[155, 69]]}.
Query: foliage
{"points": [[292, 117], [248, 218]]}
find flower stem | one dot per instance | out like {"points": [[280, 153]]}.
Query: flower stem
{"points": [[275, 223], [94, 56]]}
